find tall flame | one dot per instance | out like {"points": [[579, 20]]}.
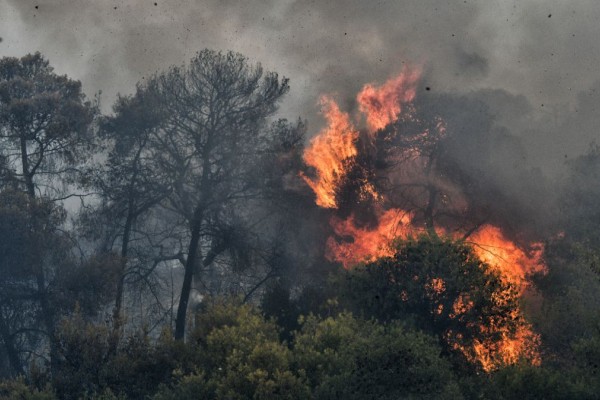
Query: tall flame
{"points": [[331, 154], [504, 256], [329, 151], [382, 105]]}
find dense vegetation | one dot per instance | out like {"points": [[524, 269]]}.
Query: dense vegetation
{"points": [[168, 250]]}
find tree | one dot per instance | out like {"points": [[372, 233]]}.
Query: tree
{"points": [[209, 146], [44, 122], [27, 235], [346, 357], [439, 285], [242, 356], [130, 185], [578, 201]]}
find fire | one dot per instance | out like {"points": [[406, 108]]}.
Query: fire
{"points": [[332, 153], [489, 244], [382, 105], [504, 256], [523, 344], [367, 244], [329, 152]]}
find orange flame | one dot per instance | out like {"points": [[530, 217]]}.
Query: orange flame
{"points": [[383, 104], [511, 262], [367, 244], [504, 256], [329, 151], [510, 349]]}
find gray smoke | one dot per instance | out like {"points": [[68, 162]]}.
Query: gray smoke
{"points": [[533, 63]]}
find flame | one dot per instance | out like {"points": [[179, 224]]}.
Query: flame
{"points": [[489, 244], [504, 256], [512, 263], [382, 105], [509, 349], [328, 153], [367, 244], [331, 153]]}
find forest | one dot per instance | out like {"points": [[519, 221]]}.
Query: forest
{"points": [[187, 242]]}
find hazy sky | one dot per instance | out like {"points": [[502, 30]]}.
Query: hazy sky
{"points": [[546, 51]]}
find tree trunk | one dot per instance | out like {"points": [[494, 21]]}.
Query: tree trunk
{"points": [[429, 210], [131, 216], [48, 316], [47, 312], [11, 351], [117, 314], [190, 266], [25, 168]]}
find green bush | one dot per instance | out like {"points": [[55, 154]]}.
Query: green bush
{"points": [[349, 358], [19, 390]]}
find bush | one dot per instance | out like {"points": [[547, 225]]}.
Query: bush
{"points": [[18, 390], [349, 358]]}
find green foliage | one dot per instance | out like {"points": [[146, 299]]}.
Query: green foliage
{"points": [[44, 118], [88, 286], [587, 362], [190, 387], [438, 285], [244, 358], [570, 305], [28, 229], [142, 364], [276, 303], [32, 247], [84, 351], [106, 395], [349, 358], [18, 390], [235, 353], [527, 382], [189, 159], [88, 365]]}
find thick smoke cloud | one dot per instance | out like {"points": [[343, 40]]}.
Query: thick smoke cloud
{"points": [[532, 63], [544, 50]]}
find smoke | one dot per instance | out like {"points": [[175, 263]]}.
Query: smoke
{"points": [[531, 64], [541, 49]]}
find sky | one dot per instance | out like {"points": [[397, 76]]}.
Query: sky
{"points": [[534, 62]]}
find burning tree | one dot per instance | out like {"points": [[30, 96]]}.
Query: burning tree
{"points": [[397, 179], [441, 286]]}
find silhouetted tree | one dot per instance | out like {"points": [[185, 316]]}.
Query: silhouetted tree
{"points": [[209, 146], [129, 185], [44, 123], [44, 126]]}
